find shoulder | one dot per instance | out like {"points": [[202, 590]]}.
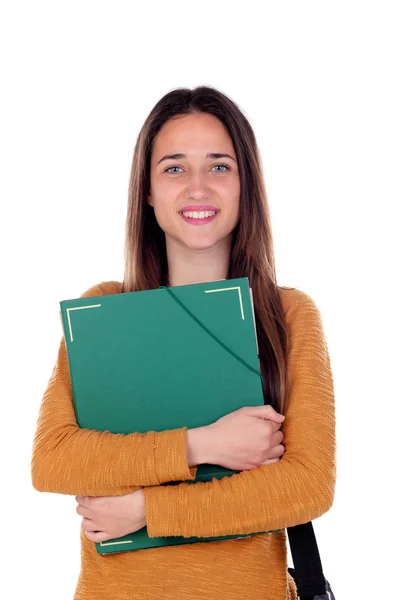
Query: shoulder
{"points": [[298, 306], [103, 289], [291, 297]]}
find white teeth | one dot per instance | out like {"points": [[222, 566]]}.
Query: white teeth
{"points": [[199, 215]]}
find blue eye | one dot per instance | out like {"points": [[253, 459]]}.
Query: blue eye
{"points": [[225, 167], [169, 169]]}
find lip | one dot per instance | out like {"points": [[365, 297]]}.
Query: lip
{"points": [[199, 208]]}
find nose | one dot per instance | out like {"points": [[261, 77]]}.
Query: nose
{"points": [[197, 187]]}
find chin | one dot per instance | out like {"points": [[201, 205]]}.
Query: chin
{"points": [[200, 244]]}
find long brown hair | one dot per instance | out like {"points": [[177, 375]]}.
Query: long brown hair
{"points": [[252, 253]]}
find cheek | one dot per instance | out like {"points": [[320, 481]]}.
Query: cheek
{"points": [[165, 194], [163, 207], [160, 213], [230, 188], [232, 192], [236, 204]]}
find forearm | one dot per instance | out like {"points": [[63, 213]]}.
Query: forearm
{"points": [[267, 498], [91, 463], [69, 460]]}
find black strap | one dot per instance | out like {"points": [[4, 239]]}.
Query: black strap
{"points": [[309, 577]]}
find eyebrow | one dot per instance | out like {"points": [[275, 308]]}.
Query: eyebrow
{"points": [[210, 155]]}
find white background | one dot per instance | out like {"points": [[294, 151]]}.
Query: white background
{"points": [[319, 82]]}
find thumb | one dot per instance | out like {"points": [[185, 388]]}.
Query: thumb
{"points": [[266, 411]]}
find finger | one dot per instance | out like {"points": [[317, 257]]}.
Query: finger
{"points": [[83, 512], [89, 525], [272, 426], [83, 500], [98, 536], [276, 451], [276, 438], [264, 412]]}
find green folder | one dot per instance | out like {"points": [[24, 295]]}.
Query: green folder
{"points": [[162, 359]]}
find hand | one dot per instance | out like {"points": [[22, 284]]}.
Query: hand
{"points": [[247, 438], [108, 517]]}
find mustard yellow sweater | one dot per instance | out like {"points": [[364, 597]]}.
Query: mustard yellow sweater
{"points": [[297, 489]]}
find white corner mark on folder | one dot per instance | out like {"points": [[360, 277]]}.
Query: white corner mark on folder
{"points": [[115, 543], [69, 317], [226, 290]]}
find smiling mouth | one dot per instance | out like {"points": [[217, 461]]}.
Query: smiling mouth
{"points": [[199, 218]]}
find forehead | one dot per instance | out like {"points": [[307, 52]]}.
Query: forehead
{"points": [[191, 133]]}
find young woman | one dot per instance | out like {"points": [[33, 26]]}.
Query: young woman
{"points": [[198, 212]]}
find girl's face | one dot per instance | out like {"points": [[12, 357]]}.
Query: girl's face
{"points": [[189, 173]]}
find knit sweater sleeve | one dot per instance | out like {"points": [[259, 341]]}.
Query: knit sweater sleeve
{"points": [[298, 488], [69, 460]]}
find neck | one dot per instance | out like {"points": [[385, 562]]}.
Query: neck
{"points": [[187, 265]]}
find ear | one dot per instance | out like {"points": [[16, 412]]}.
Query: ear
{"points": [[149, 200]]}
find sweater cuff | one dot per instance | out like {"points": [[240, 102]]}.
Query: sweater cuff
{"points": [[162, 511], [170, 456]]}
